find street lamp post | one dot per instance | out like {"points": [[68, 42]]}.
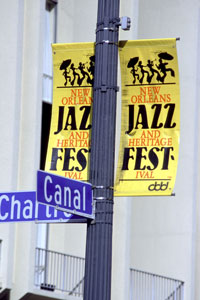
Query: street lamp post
{"points": [[99, 232]]}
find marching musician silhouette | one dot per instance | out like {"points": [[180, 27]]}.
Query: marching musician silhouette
{"points": [[75, 74], [153, 71], [162, 67], [79, 75], [143, 71]]}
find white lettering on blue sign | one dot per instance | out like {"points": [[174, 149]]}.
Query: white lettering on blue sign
{"points": [[65, 194], [22, 206]]}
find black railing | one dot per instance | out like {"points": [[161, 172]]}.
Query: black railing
{"points": [[149, 286], [62, 272], [58, 271]]}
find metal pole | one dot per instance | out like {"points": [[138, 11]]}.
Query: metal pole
{"points": [[99, 232]]}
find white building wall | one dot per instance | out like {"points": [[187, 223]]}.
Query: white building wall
{"points": [[197, 178], [29, 118], [10, 86]]}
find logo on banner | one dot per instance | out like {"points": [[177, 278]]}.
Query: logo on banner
{"points": [[143, 72], [158, 186], [78, 74]]}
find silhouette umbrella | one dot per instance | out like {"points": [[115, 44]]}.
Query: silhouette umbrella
{"points": [[132, 62], [92, 58], [165, 55], [65, 64]]}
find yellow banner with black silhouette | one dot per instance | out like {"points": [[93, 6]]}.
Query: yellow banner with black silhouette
{"points": [[150, 125], [69, 140]]}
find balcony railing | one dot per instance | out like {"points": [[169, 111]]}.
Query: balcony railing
{"points": [[58, 271], [148, 286], [65, 273]]}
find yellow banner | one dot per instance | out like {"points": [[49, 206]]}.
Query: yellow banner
{"points": [[69, 141], [150, 124]]}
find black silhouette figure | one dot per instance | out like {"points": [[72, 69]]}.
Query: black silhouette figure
{"points": [[75, 74], [85, 74], [65, 73], [65, 64], [91, 70], [158, 71], [143, 71], [153, 71], [162, 65], [135, 75], [131, 64]]}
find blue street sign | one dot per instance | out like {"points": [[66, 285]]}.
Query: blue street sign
{"points": [[22, 206], [66, 194]]}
